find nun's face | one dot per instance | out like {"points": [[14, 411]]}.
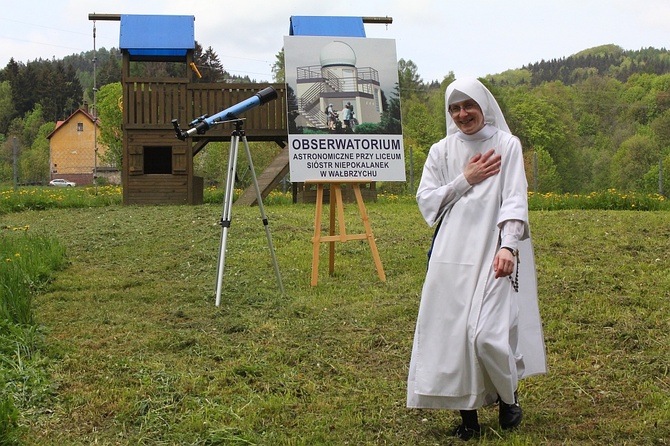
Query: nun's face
{"points": [[467, 116]]}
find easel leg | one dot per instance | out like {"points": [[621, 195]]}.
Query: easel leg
{"points": [[337, 212], [316, 240], [368, 233], [331, 231]]}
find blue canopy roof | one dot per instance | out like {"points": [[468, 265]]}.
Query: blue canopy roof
{"points": [[157, 35], [327, 26]]}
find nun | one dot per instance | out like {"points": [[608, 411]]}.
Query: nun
{"points": [[478, 329]]}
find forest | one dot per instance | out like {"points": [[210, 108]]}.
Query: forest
{"points": [[593, 121]]}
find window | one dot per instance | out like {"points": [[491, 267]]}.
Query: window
{"points": [[80, 126], [158, 160]]}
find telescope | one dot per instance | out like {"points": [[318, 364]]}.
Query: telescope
{"points": [[200, 126], [203, 123]]}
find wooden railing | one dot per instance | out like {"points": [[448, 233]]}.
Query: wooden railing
{"points": [[153, 104]]}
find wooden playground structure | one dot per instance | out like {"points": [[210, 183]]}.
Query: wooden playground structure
{"points": [[158, 167]]}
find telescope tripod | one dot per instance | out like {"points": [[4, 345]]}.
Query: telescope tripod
{"points": [[226, 215]]}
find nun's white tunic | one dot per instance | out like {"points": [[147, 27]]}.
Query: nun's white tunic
{"points": [[475, 336]]}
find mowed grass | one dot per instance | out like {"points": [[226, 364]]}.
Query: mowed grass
{"points": [[140, 355]]}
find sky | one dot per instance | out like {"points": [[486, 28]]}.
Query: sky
{"points": [[471, 39]]}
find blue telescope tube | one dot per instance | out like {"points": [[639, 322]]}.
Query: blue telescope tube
{"points": [[202, 124]]}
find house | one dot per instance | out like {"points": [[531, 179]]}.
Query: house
{"points": [[72, 151]]}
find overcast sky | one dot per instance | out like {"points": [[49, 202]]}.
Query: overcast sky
{"points": [[472, 38]]}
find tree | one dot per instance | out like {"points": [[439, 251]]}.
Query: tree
{"points": [[418, 135], [661, 128], [24, 89], [548, 178], [7, 111], [640, 98], [390, 120], [50, 83], [210, 163], [31, 125], [11, 71], [34, 162], [419, 125], [409, 80], [536, 123], [111, 120], [50, 95], [73, 94], [208, 65], [651, 178], [279, 67], [410, 84], [110, 70], [6, 159], [634, 158]]}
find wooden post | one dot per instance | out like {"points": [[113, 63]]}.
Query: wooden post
{"points": [[337, 209]]}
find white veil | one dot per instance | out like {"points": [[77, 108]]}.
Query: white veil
{"points": [[470, 88]]}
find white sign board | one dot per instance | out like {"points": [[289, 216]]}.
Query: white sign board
{"points": [[343, 109]]}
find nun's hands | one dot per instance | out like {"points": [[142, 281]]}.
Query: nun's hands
{"points": [[482, 166], [503, 263]]}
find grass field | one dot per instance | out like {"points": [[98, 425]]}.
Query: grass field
{"points": [[136, 353]]}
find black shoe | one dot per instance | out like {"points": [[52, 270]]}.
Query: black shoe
{"points": [[510, 414], [465, 433]]}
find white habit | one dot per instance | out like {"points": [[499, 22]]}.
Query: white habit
{"points": [[475, 336]]}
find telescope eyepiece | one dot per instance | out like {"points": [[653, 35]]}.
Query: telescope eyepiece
{"points": [[180, 133]]}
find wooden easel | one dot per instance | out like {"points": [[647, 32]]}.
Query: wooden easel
{"points": [[337, 203]]}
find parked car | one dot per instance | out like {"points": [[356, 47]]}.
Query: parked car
{"points": [[61, 183]]}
